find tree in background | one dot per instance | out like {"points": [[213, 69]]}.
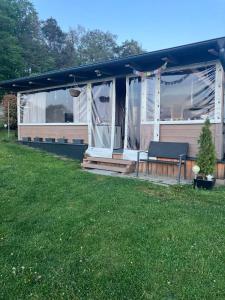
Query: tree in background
{"points": [[131, 47], [29, 46], [206, 158], [55, 40], [96, 45], [10, 104], [35, 54], [22, 48], [11, 60]]}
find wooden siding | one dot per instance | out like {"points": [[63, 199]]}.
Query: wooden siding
{"points": [[50, 131], [172, 170], [189, 133]]}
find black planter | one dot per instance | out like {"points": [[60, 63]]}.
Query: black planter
{"points": [[78, 141], [38, 139], [50, 140], [204, 184], [26, 139], [62, 141]]}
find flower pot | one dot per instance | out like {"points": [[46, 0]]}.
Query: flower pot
{"points": [[204, 184], [74, 92]]}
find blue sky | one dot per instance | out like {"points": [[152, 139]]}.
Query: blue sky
{"points": [[156, 24]]}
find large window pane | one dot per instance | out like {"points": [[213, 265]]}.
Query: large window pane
{"points": [[54, 106], [188, 94], [32, 108], [59, 107]]}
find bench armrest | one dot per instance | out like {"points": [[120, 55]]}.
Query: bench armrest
{"points": [[142, 151], [139, 152], [181, 155]]}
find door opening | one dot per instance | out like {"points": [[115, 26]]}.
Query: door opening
{"points": [[120, 114]]}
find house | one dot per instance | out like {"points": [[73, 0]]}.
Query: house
{"points": [[120, 105]]}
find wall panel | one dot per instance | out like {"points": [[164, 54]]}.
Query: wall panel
{"points": [[68, 131], [189, 133]]}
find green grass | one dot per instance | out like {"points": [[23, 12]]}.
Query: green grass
{"points": [[68, 234], [7, 137]]}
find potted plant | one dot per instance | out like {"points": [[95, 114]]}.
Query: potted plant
{"points": [[206, 158]]}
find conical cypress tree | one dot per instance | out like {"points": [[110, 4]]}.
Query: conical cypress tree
{"points": [[206, 158]]}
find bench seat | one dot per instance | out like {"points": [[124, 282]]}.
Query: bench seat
{"points": [[169, 153], [160, 161]]}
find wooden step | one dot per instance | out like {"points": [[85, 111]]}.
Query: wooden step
{"points": [[117, 155], [109, 160], [109, 164], [105, 167]]}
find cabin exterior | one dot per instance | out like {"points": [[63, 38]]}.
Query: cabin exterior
{"points": [[124, 104]]}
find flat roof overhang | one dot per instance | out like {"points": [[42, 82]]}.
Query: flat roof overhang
{"points": [[209, 50]]}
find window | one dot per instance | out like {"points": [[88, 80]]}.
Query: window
{"points": [[188, 94], [32, 108], [59, 107], [54, 106]]}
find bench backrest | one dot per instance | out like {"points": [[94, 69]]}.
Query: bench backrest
{"points": [[167, 150]]}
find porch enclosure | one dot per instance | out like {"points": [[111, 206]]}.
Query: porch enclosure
{"points": [[167, 106]]}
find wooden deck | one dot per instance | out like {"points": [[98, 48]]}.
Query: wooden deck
{"points": [[117, 164], [171, 170]]}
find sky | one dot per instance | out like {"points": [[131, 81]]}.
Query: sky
{"points": [[155, 24]]}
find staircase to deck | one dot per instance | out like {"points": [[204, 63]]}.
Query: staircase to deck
{"points": [[109, 164]]}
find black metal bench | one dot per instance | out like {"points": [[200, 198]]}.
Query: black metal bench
{"points": [[158, 152]]}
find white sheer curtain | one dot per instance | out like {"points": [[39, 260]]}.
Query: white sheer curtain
{"points": [[134, 114], [34, 110], [80, 107]]}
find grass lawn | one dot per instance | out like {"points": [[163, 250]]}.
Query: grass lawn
{"points": [[68, 234]]}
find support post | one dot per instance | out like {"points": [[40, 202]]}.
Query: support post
{"points": [[157, 109], [89, 114], [18, 115]]}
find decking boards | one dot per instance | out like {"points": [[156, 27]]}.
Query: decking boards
{"points": [[109, 164]]}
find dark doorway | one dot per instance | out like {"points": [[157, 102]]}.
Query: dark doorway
{"points": [[120, 113]]}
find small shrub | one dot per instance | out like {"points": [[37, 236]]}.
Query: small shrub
{"points": [[206, 158]]}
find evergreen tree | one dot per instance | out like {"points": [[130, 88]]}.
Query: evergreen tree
{"points": [[206, 158]]}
